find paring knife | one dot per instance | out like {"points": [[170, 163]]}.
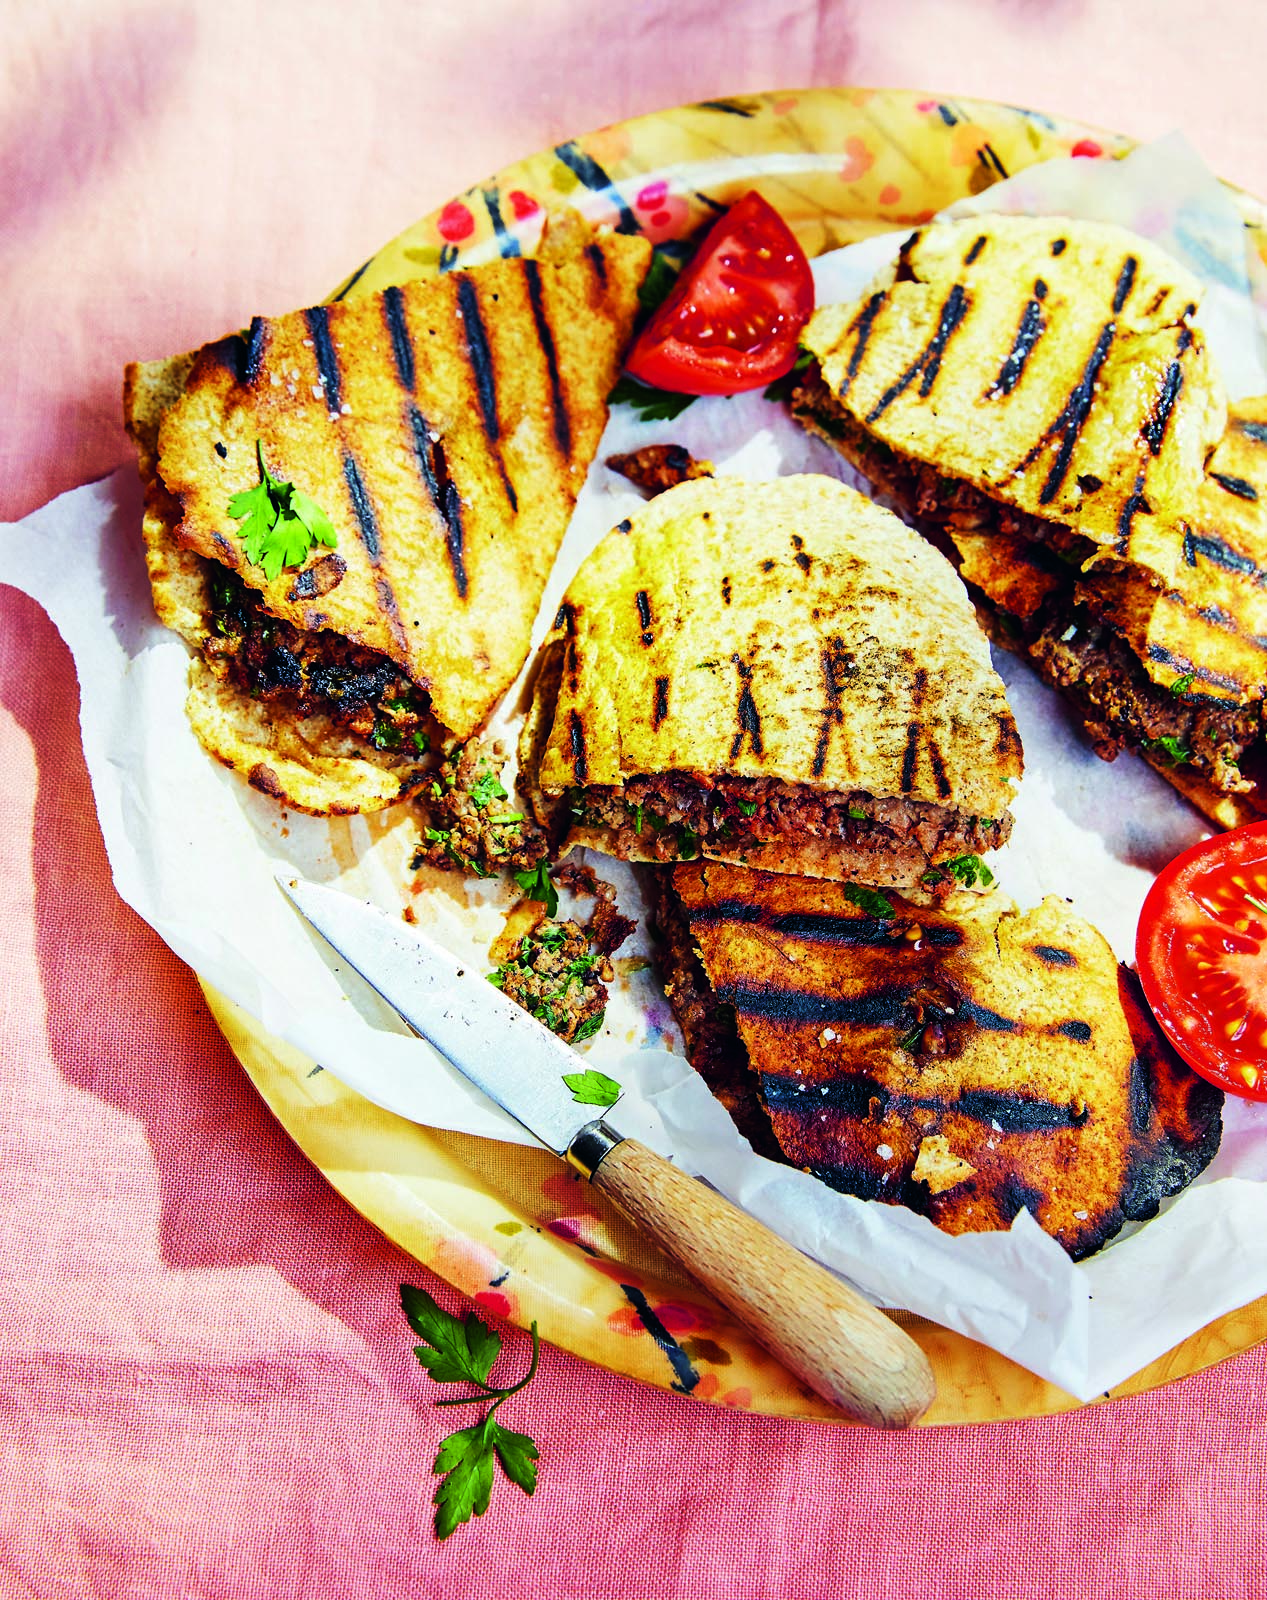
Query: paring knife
{"points": [[836, 1342]]}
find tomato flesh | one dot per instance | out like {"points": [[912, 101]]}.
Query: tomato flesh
{"points": [[1201, 950], [732, 319]]}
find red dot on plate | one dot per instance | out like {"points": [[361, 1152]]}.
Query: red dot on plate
{"points": [[1087, 147], [523, 205], [652, 196], [456, 222], [659, 218], [889, 195]]}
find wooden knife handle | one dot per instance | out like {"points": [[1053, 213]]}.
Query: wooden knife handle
{"points": [[841, 1346]]}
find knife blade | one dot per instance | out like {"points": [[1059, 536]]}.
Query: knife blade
{"points": [[825, 1332]]}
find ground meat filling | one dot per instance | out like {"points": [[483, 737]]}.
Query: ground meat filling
{"points": [[1121, 707], [657, 467], [671, 815], [312, 672], [710, 1031], [557, 978], [475, 826]]}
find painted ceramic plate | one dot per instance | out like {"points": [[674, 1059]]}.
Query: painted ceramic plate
{"points": [[512, 1228]]}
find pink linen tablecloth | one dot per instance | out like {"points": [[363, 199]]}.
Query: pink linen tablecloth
{"points": [[206, 1387]]}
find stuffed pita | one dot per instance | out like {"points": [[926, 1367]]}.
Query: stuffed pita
{"points": [[779, 673]]}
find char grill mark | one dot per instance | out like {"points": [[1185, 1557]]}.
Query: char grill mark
{"points": [[398, 332], [251, 351], [545, 337], [1134, 502], [1257, 431], [1058, 246], [1222, 555], [1052, 956], [661, 702], [1125, 281], [928, 362], [643, 602], [576, 738], [1027, 336], [939, 771], [434, 467], [1237, 486], [598, 261], [480, 355], [367, 523], [318, 320], [837, 666], [976, 250], [747, 715], [909, 756], [1073, 1029], [882, 1008], [867, 1099], [1155, 425], [864, 324], [1069, 424]]}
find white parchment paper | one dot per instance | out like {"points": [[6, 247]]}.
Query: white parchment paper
{"points": [[195, 852]]}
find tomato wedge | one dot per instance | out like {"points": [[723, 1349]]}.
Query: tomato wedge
{"points": [[732, 319], [1201, 950]]}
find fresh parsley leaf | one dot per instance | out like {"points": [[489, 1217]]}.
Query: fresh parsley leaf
{"points": [[422, 743], [487, 788], [1177, 751], [518, 1456], [1183, 683], [651, 405], [552, 939], [969, 870], [654, 289], [536, 885], [280, 524], [497, 977], [592, 1088], [688, 844], [465, 1462], [856, 812], [385, 734], [637, 813], [456, 1350], [869, 900], [910, 1041], [587, 1030], [463, 1350], [748, 807], [781, 388]]}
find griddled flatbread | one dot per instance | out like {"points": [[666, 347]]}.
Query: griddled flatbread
{"points": [[967, 1062], [1158, 636], [777, 671], [1052, 365], [445, 428]]}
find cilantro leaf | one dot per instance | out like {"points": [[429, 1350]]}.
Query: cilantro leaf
{"points": [[654, 289], [748, 807], [869, 900], [591, 1088], [536, 885], [651, 405], [280, 524]]}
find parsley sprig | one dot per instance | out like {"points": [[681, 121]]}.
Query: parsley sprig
{"points": [[650, 405], [463, 1350], [536, 884], [280, 524], [592, 1088]]}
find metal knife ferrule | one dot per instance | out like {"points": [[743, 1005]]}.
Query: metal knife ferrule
{"points": [[595, 1140]]}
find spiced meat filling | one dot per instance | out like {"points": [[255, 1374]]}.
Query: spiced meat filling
{"points": [[1090, 663], [313, 672], [671, 816]]}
